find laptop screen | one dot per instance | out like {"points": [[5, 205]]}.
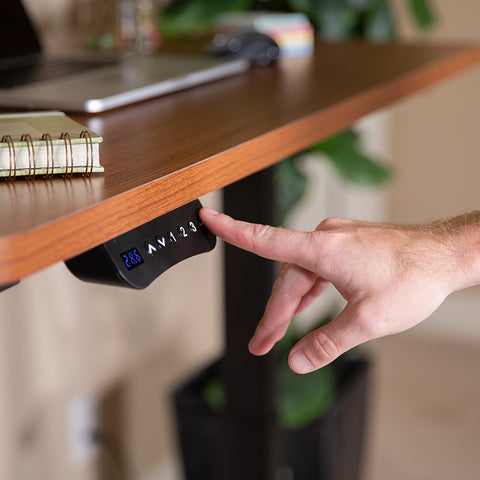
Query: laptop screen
{"points": [[17, 35]]}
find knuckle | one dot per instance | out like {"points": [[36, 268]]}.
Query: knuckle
{"points": [[322, 349], [249, 237], [323, 247], [277, 330], [331, 222], [369, 321], [258, 234]]}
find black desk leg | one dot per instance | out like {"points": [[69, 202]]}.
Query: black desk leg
{"points": [[248, 446]]}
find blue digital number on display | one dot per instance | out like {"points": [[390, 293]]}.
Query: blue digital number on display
{"points": [[131, 258]]}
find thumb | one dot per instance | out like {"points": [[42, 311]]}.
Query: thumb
{"points": [[322, 346]]}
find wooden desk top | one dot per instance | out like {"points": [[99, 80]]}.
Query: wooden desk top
{"points": [[165, 152]]}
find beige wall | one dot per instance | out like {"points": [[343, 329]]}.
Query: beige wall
{"points": [[435, 150], [435, 140]]}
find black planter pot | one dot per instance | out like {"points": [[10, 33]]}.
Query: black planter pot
{"points": [[330, 448]]}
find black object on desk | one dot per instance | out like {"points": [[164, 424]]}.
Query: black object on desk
{"points": [[258, 48], [136, 258]]}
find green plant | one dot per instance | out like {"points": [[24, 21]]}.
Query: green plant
{"points": [[345, 153], [332, 19], [300, 399]]}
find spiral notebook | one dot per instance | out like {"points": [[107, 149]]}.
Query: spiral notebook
{"points": [[46, 144]]}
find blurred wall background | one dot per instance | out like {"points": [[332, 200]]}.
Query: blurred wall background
{"points": [[435, 147], [113, 356]]}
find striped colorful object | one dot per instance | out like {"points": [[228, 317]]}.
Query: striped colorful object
{"points": [[293, 32]]}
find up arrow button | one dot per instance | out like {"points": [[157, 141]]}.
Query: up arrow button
{"points": [[150, 249]]}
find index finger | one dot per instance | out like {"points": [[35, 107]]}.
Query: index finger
{"points": [[274, 243]]}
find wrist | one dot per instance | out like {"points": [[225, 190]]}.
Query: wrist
{"points": [[462, 238]]}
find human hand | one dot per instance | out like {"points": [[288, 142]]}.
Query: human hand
{"points": [[391, 276]]}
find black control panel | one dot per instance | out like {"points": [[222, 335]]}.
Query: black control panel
{"points": [[136, 258]]}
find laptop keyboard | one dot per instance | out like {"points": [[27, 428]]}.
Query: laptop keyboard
{"points": [[44, 69]]}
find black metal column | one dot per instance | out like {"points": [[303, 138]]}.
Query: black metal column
{"points": [[248, 440]]}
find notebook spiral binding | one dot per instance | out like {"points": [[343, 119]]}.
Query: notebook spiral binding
{"points": [[49, 173], [13, 159], [31, 155]]}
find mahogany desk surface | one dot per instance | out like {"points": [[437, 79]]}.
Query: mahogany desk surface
{"points": [[165, 152]]}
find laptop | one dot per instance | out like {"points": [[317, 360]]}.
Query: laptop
{"points": [[91, 81]]}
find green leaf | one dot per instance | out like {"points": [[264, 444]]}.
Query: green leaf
{"points": [[304, 6], [422, 12], [303, 398], [214, 394], [290, 184], [358, 4], [345, 154], [190, 17], [335, 20], [379, 25], [300, 398]]}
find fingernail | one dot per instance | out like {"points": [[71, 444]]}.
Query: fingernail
{"points": [[209, 211], [299, 363]]}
